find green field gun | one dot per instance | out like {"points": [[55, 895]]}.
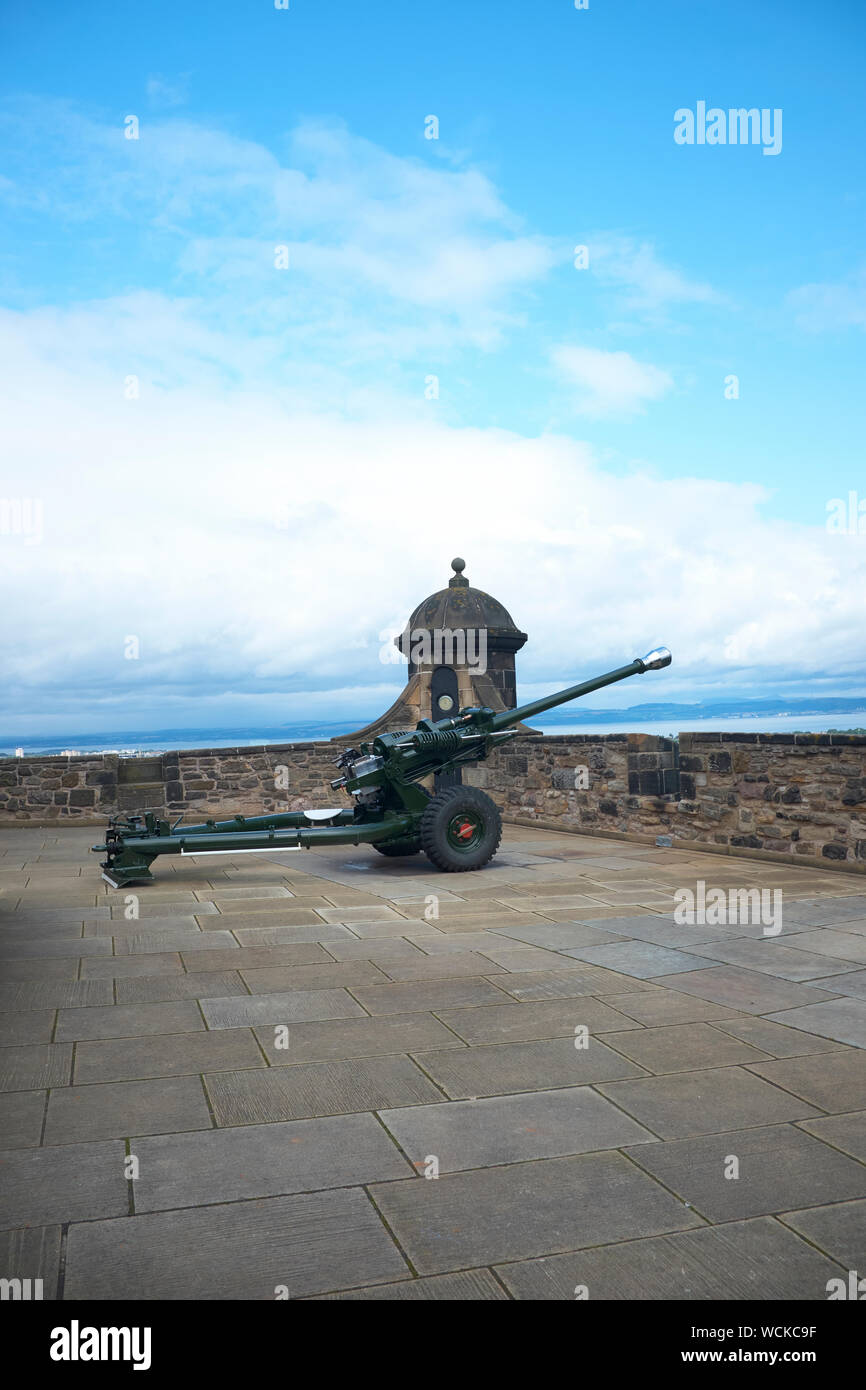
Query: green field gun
{"points": [[458, 828]]}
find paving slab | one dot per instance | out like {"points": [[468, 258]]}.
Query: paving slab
{"points": [[548, 1018], [747, 991], [395, 930], [665, 1006], [469, 1285], [826, 911], [559, 936], [257, 957], [778, 1165], [493, 989], [155, 943], [293, 1006], [757, 1259], [705, 1102], [290, 936], [150, 908], [163, 989], [55, 994], [36, 1026], [841, 1019], [32, 1253], [339, 1039], [835, 1081], [380, 951], [284, 919], [75, 1182], [775, 1038], [518, 959], [77, 1114], [165, 928], [232, 893], [840, 1230], [441, 966], [552, 1205], [851, 982], [127, 1020], [335, 975], [374, 912], [643, 959], [771, 957], [832, 945], [174, 1054], [40, 950], [423, 995], [503, 1068], [845, 1132], [858, 926], [40, 968], [228, 1165], [127, 967], [35, 1065], [682, 1047], [481, 1133], [282, 911], [21, 1116], [317, 1088], [661, 930], [566, 984], [486, 917], [305, 1244], [11, 934]]}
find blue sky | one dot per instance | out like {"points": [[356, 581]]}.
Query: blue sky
{"points": [[611, 491]]}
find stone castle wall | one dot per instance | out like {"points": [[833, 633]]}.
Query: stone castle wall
{"points": [[796, 797], [202, 783]]}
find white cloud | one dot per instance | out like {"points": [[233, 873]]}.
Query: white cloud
{"points": [[167, 92], [364, 227], [820, 307], [266, 508], [258, 545], [649, 285], [609, 383]]}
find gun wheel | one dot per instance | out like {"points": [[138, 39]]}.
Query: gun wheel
{"points": [[399, 849], [460, 829]]}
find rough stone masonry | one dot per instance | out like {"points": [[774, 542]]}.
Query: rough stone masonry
{"points": [[791, 797]]}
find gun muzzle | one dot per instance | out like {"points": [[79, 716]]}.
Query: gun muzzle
{"points": [[655, 660]]}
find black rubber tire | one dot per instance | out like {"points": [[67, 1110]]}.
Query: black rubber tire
{"points": [[399, 849], [442, 829]]}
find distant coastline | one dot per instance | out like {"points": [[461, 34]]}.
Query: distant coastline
{"points": [[776, 716]]}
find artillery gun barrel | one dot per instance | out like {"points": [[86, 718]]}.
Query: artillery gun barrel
{"points": [[653, 661]]}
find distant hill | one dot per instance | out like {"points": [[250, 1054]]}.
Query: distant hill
{"points": [[710, 709]]}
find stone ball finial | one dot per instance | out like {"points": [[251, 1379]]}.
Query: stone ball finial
{"points": [[458, 565], [458, 579]]}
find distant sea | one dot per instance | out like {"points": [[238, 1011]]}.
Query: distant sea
{"points": [[131, 742]]}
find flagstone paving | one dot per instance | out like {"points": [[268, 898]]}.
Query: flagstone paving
{"points": [[341, 1077]]}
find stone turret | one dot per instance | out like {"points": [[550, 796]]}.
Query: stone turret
{"points": [[460, 644]]}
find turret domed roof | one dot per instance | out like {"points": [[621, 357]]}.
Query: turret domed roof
{"points": [[460, 606]]}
